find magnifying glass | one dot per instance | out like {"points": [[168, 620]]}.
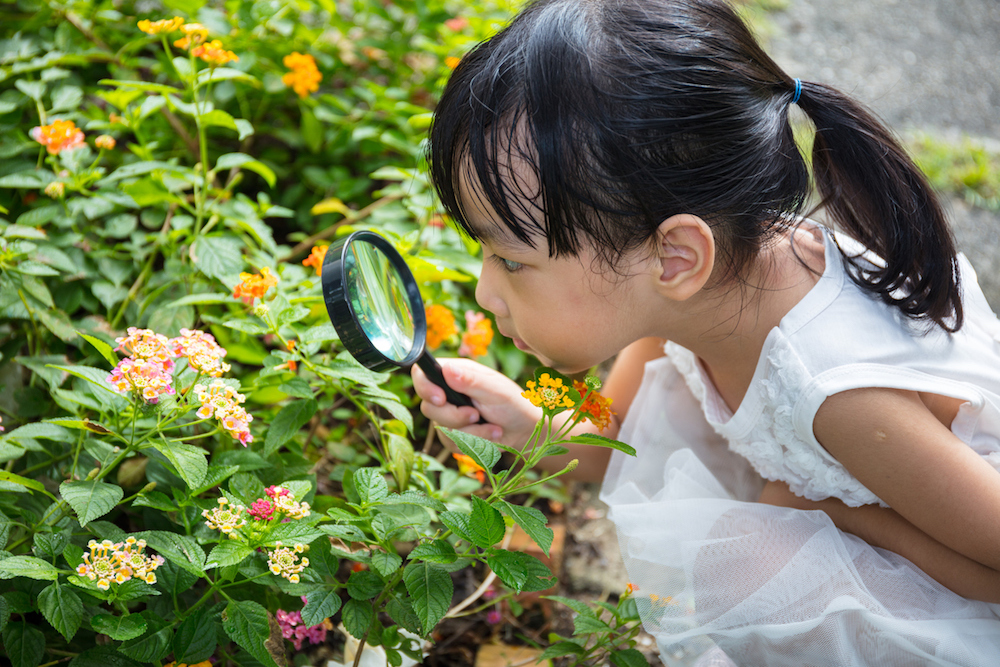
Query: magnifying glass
{"points": [[375, 306]]}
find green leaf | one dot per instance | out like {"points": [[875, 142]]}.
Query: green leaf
{"points": [[226, 553], [139, 85], [371, 485], [364, 585], [292, 532], [219, 118], [102, 656], [218, 257], [180, 550], [27, 566], [189, 461], [200, 299], [156, 500], [287, 423], [246, 624], [195, 640], [430, 588], [414, 498], [576, 605], [357, 617], [438, 551], [584, 624], [25, 644], [120, 628], [386, 563], [134, 589], [216, 74], [32, 484], [628, 657], [486, 526], [91, 499], [560, 649], [84, 425], [106, 351], [152, 645], [520, 571], [600, 441], [482, 451], [62, 608], [243, 161], [320, 604], [4, 612], [457, 522], [532, 521]]}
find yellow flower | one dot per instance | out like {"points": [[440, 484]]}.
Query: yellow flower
{"points": [[254, 286], [285, 562], [61, 135], [477, 337], [304, 77], [194, 34], [440, 325], [316, 255], [548, 393], [451, 62], [223, 519], [161, 27], [213, 53], [105, 142], [468, 467], [595, 408]]}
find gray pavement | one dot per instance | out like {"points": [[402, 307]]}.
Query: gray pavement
{"points": [[930, 65]]}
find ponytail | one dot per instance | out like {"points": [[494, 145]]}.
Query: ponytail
{"points": [[879, 197]]}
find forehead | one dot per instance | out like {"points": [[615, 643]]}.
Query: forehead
{"points": [[513, 186]]}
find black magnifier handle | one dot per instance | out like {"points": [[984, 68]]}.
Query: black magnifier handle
{"points": [[432, 369]]}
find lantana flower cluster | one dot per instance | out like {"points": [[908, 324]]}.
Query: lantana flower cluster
{"points": [[194, 39], [441, 327], [293, 630], [58, 136], [316, 257], [305, 76], [254, 286], [233, 519], [552, 394], [118, 562], [221, 401]]}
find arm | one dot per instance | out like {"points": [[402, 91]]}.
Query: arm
{"points": [[945, 499]]}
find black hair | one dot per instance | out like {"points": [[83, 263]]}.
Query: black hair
{"points": [[629, 111]]}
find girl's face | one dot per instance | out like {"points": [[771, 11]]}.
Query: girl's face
{"points": [[571, 312]]}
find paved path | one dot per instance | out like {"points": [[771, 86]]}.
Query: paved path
{"points": [[930, 65]]}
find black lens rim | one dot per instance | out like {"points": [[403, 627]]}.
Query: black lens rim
{"points": [[345, 320]]}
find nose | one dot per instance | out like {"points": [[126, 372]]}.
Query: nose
{"points": [[487, 295]]}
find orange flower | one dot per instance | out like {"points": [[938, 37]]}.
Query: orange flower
{"points": [[478, 335], [595, 408], [467, 466], [440, 325], [631, 588], [458, 23], [213, 53], [161, 27], [548, 393], [304, 77], [254, 286], [291, 364], [61, 135], [316, 257], [437, 222], [105, 142], [451, 62], [194, 33]]}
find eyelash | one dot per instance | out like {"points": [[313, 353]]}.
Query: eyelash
{"points": [[509, 266]]}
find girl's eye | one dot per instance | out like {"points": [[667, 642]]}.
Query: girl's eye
{"points": [[508, 265]]}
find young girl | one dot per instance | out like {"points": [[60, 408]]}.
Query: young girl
{"points": [[630, 172]]}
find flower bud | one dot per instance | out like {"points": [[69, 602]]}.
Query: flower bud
{"points": [[261, 310], [105, 142], [55, 190], [93, 473], [149, 487], [571, 466]]}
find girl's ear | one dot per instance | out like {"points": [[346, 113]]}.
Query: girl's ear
{"points": [[686, 253]]}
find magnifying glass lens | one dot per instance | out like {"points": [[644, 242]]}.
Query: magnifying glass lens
{"points": [[379, 300]]}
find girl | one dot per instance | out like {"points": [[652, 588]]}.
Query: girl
{"points": [[630, 172]]}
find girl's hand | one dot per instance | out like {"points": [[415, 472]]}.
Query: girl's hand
{"points": [[511, 417]]}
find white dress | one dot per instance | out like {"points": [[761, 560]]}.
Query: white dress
{"points": [[716, 572]]}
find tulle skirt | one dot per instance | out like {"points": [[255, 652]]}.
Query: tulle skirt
{"points": [[719, 576]]}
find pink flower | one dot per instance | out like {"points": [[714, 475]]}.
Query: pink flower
{"points": [[262, 510], [147, 378], [493, 616], [293, 630]]}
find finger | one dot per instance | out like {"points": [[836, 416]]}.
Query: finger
{"points": [[449, 415], [425, 389]]}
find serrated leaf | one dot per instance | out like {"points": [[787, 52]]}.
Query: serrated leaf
{"points": [[151, 646], [414, 498], [628, 657], [292, 532], [195, 639], [560, 649], [287, 423], [532, 521], [4, 612], [482, 451], [520, 571], [188, 461], [181, 550], [226, 553], [105, 350], [134, 589], [218, 257], [364, 585], [438, 551], [357, 616], [371, 485], [102, 656], [62, 608], [578, 606], [121, 628], [386, 563], [24, 644], [320, 605], [486, 526], [600, 441], [91, 499], [156, 500], [588, 624], [32, 484], [246, 624], [430, 588], [457, 522], [27, 566]]}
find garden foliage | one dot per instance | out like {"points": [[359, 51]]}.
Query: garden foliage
{"points": [[193, 467]]}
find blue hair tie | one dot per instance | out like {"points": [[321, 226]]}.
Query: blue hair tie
{"points": [[798, 91]]}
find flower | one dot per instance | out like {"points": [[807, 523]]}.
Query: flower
{"points": [[477, 337], [468, 466], [61, 135], [55, 189], [548, 393], [223, 402], [147, 345], [262, 510], [118, 562], [253, 285], [162, 26], [284, 561], [194, 34], [105, 142], [1, 427], [631, 588], [440, 325], [304, 77], [458, 23], [316, 257], [493, 616], [595, 408], [285, 503], [204, 355], [213, 53], [147, 378], [451, 62], [224, 519], [293, 630]]}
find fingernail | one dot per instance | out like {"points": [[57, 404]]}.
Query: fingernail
{"points": [[473, 418], [496, 433], [437, 400]]}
